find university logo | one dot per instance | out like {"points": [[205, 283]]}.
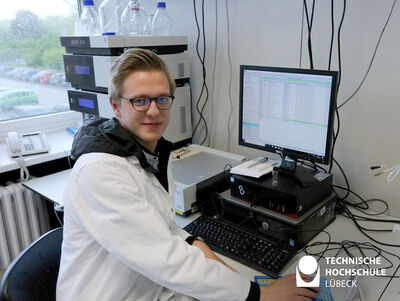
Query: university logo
{"points": [[307, 265]]}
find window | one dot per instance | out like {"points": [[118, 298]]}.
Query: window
{"points": [[32, 80]]}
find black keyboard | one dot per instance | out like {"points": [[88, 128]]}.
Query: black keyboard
{"points": [[254, 251]]}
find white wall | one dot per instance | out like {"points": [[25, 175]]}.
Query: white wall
{"points": [[267, 32]]}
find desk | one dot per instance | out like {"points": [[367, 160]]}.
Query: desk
{"points": [[52, 187], [341, 229]]}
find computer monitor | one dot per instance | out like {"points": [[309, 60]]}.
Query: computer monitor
{"points": [[288, 111]]}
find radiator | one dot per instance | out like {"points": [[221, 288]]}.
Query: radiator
{"points": [[23, 218]]}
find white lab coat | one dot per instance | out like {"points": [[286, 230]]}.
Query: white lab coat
{"points": [[121, 241]]}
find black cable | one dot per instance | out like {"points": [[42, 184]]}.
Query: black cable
{"points": [[370, 219], [312, 165], [327, 243], [371, 214], [348, 245], [332, 35], [309, 26], [338, 86], [251, 215], [228, 141], [199, 56], [363, 209], [204, 71], [373, 57], [345, 178], [355, 217], [202, 61], [301, 36], [338, 40], [56, 214], [350, 215], [226, 167], [390, 280], [358, 196], [191, 101]]}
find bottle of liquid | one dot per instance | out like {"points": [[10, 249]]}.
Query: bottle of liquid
{"points": [[161, 24], [135, 19], [89, 19], [110, 16], [275, 175]]}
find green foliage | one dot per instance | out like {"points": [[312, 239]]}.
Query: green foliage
{"points": [[52, 58], [7, 47], [26, 25], [38, 46]]}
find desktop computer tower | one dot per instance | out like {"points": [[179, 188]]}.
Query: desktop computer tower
{"points": [[294, 195], [288, 231]]}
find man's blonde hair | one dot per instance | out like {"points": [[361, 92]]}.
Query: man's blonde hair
{"points": [[135, 60]]}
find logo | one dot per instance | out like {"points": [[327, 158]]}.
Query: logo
{"points": [[307, 265], [347, 271]]}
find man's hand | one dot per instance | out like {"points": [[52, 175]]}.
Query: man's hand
{"points": [[210, 254], [285, 289]]}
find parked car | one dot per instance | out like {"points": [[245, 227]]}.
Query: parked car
{"points": [[63, 82], [17, 72], [28, 74], [36, 77], [55, 79], [28, 110], [60, 107], [45, 76], [13, 97], [5, 69], [11, 73]]}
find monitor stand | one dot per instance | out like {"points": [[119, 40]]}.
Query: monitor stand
{"points": [[305, 176]]}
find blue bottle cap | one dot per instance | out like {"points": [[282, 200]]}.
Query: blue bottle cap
{"points": [[88, 2], [108, 33], [161, 5]]}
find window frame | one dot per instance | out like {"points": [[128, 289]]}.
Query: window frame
{"points": [[49, 123]]}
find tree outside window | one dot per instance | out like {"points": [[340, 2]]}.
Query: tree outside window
{"points": [[32, 80]]}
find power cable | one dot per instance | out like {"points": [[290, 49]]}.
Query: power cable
{"points": [[301, 35], [332, 35], [373, 57], [210, 142], [230, 76], [347, 246], [338, 86], [202, 61], [204, 70], [309, 26]]}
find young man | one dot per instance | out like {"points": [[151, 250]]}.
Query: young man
{"points": [[120, 238]]}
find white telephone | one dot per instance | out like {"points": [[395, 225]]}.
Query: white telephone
{"points": [[27, 144]]}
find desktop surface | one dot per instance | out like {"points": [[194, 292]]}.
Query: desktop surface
{"points": [[203, 165], [342, 229]]}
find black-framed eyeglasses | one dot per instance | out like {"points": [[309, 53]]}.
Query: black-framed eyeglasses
{"points": [[142, 104]]}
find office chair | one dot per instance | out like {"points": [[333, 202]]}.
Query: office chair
{"points": [[32, 275]]}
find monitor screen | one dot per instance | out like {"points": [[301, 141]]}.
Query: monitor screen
{"points": [[287, 111]]}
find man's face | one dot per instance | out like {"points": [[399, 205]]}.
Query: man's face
{"points": [[147, 126]]}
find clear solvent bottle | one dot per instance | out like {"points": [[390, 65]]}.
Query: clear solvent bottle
{"points": [[137, 20], [161, 24], [89, 19]]}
